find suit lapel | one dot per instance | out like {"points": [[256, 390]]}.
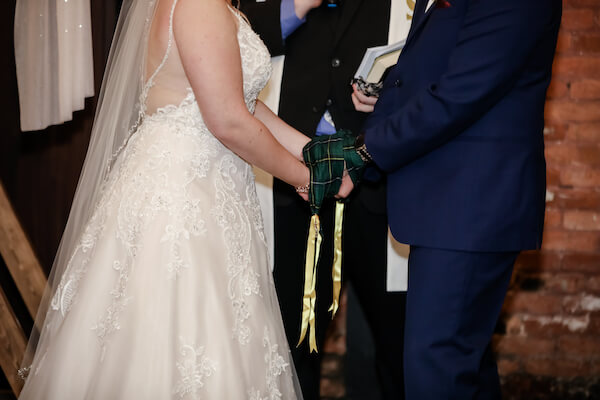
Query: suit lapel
{"points": [[419, 18], [349, 9]]}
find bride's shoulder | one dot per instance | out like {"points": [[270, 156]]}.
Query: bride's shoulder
{"points": [[206, 9], [204, 16]]}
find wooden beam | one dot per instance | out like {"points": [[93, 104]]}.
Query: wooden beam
{"points": [[12, 344], [20, 257]]}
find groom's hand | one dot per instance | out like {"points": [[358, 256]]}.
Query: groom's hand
{"points": [[345, 188]]}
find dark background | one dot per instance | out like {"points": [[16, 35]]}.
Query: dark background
{"points": [[39, 170]]}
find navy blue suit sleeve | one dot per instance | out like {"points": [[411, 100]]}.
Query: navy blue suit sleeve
{"points": [[493, 46]]}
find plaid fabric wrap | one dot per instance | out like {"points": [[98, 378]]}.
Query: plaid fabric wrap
{"points": [[325, 157]]}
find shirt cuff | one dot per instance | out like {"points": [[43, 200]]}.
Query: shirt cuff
{"points": [[289, 20]]}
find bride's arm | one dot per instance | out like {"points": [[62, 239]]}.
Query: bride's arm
{"points": [[206, 38], [289, 137]]}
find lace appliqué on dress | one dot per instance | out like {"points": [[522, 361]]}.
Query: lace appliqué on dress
{"points": [[194, 367], [231, 215], [276, 365]]}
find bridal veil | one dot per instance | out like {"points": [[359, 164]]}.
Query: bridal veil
{"points": [[117, 116]]}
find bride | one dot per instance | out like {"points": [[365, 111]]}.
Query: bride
{"points": [[161, 287]]}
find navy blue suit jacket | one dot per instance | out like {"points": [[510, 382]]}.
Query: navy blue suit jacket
{"points": [[458, 127]]}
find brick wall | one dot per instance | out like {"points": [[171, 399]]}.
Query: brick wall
{"points": [[548, 340], [548, 337]]}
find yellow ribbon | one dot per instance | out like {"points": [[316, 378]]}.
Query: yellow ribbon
{"points": [[336, 270], [310, 281]]}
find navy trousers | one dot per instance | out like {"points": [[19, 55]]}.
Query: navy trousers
{"points": [[453, 304]]}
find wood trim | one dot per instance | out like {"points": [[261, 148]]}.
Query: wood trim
{"points": [[20, 257], [12, 344]]}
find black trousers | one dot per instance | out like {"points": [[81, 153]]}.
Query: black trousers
{"points": [[364, 264]]}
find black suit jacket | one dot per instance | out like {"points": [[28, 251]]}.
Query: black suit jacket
{"points": [[321, 57]]}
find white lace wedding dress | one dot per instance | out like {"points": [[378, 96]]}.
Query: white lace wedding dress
{"points": [[168, 294]]}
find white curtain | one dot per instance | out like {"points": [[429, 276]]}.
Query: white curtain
{"points": [[53, 54], [397, 258]]}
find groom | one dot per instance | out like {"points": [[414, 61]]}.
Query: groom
{"points": [[457, 130]]}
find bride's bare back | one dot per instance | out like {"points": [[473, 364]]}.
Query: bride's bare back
{"points": [[169, 83]]}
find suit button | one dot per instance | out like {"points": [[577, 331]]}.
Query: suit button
{"points": [[398, 83], [328, 102], [335, 63], [315, 109]]}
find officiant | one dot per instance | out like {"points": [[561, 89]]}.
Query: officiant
{"points": [[323, 42]]}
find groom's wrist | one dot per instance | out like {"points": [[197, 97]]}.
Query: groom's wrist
{"points": [[361, 148]]}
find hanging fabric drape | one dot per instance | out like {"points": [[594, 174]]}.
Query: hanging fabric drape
{"points": [[54, 60]]}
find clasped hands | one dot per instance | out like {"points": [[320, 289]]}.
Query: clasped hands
{"points": [[335, 167]]}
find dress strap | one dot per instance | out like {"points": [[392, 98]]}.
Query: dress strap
{"points": [[150, 81], [145, 89]]}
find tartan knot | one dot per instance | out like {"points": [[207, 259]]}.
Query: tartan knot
{"points": [[326, 157]]}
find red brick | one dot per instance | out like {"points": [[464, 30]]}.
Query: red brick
{"points": [[538, 261], [583, 111], [581, 262], [588, 132], [555, 130], [580, 176], [563, 367], [564, 283], [557, 89], [585, 43], [564, 43], [332, 388], [592, 284], [553, 218], [577, 19], [594, 326], [533, 303], [588, 89], [571, 241], [514, 325], [331, 365], [595, 368], [507, 367], [575, 198], [582, 220], [579, 346], [574, 66], [569, 153], [580, 3], [555, 326], [581, 303], [335, 344], [523, 346], [552, 175]]}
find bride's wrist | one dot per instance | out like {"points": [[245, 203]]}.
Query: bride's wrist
{"points": [[303, 185], [302, 188]]}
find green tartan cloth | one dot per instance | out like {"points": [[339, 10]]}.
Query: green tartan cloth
{"points": [[326, 157]]}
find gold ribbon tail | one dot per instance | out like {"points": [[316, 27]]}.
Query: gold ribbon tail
{"points": [[336, 269], [313, 248]]}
